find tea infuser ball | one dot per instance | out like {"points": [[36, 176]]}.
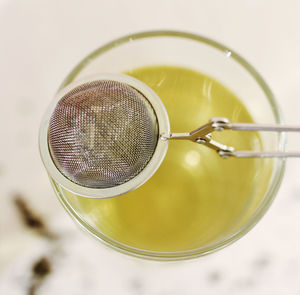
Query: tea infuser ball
{"points": [[101, 136]]}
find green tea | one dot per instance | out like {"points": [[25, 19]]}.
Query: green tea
{"points": [[195, 197]]}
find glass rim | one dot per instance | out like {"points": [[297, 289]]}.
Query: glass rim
{"points": [[259, 212]]}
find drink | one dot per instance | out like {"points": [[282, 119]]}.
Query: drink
{"points": [[195, 198]]}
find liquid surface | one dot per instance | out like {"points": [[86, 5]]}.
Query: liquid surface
{"points": [[195, 197]]}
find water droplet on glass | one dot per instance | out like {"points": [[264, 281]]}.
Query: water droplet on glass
{"points": [[228, 53]]}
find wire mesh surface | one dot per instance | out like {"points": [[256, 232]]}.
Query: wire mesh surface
{"points": [[102, 134]]}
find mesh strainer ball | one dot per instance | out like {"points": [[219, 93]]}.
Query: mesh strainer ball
{"points": [[104, 134]]}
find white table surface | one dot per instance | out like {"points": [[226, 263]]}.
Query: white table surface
{"points": [[40, 42]]}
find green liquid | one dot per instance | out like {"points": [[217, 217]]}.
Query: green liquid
{"points": [[195, 197]]}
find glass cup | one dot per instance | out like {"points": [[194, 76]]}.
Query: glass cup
{"points": [[214, 60]]}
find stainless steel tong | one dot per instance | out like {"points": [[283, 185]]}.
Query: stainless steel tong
{"points": [[203, 135]]}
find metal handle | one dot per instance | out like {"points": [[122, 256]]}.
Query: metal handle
{"points": [[202, 135], [260, 127], [252, 154]]}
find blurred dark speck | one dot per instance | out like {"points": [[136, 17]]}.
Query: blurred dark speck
{"points": [[42, 267], [30, 219], [214, 277]]}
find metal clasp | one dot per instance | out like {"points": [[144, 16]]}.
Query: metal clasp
{"points": [[203, 135]]}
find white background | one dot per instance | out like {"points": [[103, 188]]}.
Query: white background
{"points": [[40, 42]]}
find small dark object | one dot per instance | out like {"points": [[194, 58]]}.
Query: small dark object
{"points": [[42, 267], [29, 218]]}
